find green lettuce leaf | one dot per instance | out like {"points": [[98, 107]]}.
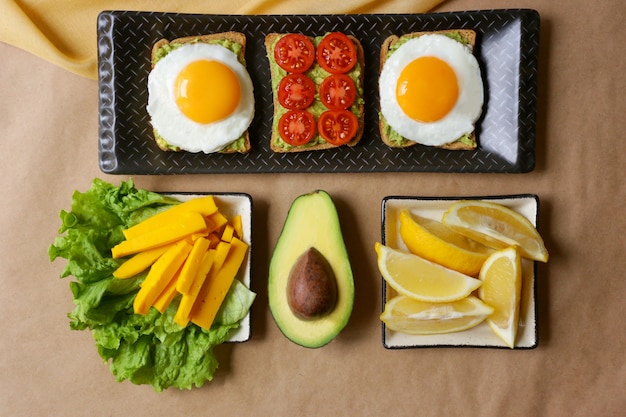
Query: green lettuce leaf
{"points": [[150, 349], [236, 304]]}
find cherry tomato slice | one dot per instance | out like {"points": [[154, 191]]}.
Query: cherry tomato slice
{"points": [[296, 91], [337, 127], [336, 53], [297, 127], [294, 53], [337, 91]]}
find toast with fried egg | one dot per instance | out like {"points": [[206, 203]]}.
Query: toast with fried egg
{"points": [[317, 74], [236, 43], [388, 135]]}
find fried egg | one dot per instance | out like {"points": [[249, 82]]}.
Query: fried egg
{"points": [[200, 97], [431, 90]]}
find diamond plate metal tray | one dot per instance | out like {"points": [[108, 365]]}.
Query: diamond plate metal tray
{"points": [[507, 49]]}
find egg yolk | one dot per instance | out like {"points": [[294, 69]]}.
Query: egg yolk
{"points": [[207, 91], [427, 89]]}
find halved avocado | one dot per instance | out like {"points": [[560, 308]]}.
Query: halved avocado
{"points": [[312, 223]]}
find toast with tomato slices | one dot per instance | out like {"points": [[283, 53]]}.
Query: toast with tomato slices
{"points": [[295, 112]]}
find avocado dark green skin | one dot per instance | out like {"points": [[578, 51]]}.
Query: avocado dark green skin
{"points": [[312, 222]]}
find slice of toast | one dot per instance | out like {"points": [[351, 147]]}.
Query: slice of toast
{"points": [[468, 37], [317, 143], [235, 37]]}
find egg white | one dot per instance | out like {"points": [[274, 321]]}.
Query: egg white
{"points": [[168, 120], [468, 108]]}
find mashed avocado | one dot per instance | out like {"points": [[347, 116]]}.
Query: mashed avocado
{"points": [[317, 74], [239, 144], [398, 140], [394, 137], [452, 35], [235, 47]]}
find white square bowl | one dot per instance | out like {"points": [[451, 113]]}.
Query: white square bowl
{"points": [[230, 205], [481, 335]]}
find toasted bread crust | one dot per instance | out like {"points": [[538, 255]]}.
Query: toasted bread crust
{"points": [[270, 39], [470, 37], [237, 37]]}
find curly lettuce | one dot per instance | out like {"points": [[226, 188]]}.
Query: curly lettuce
{"points": [[150, 349]]}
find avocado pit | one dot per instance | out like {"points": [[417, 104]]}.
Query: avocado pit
{"points": [[311, 286]]}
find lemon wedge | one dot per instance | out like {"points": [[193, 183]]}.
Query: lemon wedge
{"points": [[497, 226], [406, 315], [438, 243], [502, 284], [421, 279]]}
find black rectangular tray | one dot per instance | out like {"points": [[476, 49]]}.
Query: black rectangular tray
{"points": [[507, 47]]}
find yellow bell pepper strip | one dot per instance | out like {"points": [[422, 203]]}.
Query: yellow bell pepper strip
{"points": [[161, 273], [203, 205], [194, 236], [218, 221], [228, 233], [186, 224], [216, 287], [192, 263], [214, 238], [139, 262], [222, 250], [238, 226], [165, 298], [187, 300]]}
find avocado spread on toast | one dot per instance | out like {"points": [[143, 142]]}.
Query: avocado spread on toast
{"points": [[317, 75]]}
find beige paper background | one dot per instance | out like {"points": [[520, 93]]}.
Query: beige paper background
{"points": [[49, 135]]}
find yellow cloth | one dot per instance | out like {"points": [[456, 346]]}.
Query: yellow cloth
{"points": [[64, 31]]}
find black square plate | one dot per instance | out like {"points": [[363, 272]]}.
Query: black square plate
{"points": [[507, 46]]}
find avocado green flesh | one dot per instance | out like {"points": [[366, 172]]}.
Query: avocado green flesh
{"points": [[312, 221]]}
